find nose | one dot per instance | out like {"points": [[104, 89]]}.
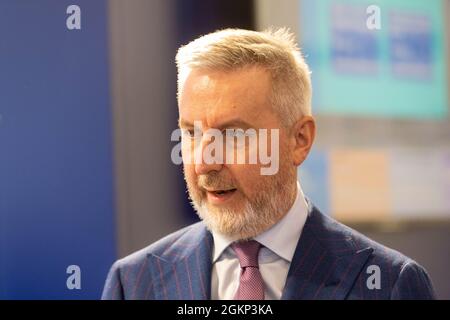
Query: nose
{"points": [[203, 168], [207, 161]]}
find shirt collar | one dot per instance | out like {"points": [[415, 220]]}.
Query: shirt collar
{"points": [[281, 238]]}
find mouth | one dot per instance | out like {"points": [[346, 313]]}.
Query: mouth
{"points": [[220, 196]]}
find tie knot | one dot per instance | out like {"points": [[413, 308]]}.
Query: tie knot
{"points": [[247, 253]]}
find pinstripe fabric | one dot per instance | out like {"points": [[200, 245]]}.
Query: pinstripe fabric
{"points": [[330, 262]]}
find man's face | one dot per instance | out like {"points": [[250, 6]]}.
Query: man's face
{"points": [[235, 199]]}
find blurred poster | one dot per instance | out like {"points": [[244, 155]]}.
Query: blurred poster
{"points": [[410, 45], [397, 70], [420, 182], [368, 185], [359, 183], [354, 50]]}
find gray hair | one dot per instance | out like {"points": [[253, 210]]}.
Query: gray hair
{"points": [[274, 50]]}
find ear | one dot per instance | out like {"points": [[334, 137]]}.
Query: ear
{"points": [[303, 134]]}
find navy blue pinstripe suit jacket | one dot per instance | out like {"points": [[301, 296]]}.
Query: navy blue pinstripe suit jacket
{"points": [[330, 262]]}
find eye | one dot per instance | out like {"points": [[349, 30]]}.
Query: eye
{"points": [[235, 133], [187, 133]]}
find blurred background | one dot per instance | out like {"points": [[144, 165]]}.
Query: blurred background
{"points": [[87, 108]]}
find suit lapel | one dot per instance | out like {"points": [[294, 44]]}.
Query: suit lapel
{"points": [[326, 262], [325, 265], [183, 271]]}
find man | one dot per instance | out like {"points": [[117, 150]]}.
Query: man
{"points": [[259, 237]]}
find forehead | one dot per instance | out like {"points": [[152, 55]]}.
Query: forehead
{"points": [[215, 96]]}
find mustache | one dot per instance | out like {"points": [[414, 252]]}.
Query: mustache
{"points": [[215, 181]]}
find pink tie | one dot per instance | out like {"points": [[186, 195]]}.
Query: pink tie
{"points": [[251, 285]]}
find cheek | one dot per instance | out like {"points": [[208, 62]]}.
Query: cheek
{"points": [[247, 176], [189, 173], [187, 151]]}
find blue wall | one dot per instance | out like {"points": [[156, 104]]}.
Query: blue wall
{"points": [[56, 186]]}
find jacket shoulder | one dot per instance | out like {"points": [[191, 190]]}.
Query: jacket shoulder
{"points": [[329, 228], [129, 277], [401, 277], [160, 246]]}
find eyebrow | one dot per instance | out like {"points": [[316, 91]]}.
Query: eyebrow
{"points": [[185, 124], [237, 122]]}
